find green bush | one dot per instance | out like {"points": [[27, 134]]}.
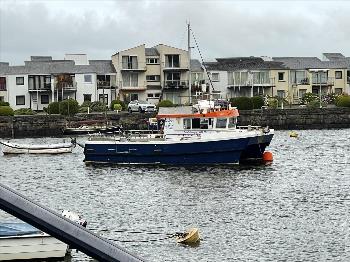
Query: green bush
{"points": [[310, 97], [53, 108], [97, 107], [123, 105], [86, 104], [69, 107], [273, 102], [117, 107], [6, 111], [2, 103], [24, 111], [313, 104], [343, 101], [258, 102], [165, 103], [242, 103], [83, 109]]}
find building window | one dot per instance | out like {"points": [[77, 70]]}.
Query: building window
{"points": [[215, 77], [130, 79], [157, 95], [129, 62], [302, 93], [88, 78], [2, 99], [172, 61], [134, 97], [338, 74], [338, 90], [45, 99], [280, 76], [281, 93], [87, 97], [152, 61], [153, 78], [20, 100], [150, 95], [20, 81], [103, 98]]}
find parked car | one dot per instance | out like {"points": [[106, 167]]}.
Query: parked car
{"points": [[141, 106]]}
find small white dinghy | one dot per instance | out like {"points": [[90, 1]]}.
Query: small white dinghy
{"points": [[14, 148]]}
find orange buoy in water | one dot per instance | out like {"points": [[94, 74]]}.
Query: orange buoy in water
{"points": [[267, 156]]}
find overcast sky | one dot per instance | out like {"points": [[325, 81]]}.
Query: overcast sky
{"points": [[222, 28]]}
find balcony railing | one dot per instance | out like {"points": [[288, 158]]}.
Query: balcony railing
{"points": [[176, 84], [251, 82], [45, 88], [174, 66], [303, 81], [134, 66], [3, 87], [66, 86], [132, 85], [105, 84], [328, 81]]}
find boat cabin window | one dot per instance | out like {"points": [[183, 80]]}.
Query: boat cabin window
{"points": [[187, 123], [204, 123], [221, 122], [195, 123], [232, 122]]}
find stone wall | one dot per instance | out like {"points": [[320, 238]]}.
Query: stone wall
{"points": [[52, 125]]}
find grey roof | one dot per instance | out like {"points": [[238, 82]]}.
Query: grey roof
{"points": [[196, 66], [333, 56], [103, 66], [151, 51], [309, 62], [4, 66], [61, 67], [243, 63]]}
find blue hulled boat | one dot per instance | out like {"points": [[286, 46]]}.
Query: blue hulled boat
{"points": [[201, 134]]}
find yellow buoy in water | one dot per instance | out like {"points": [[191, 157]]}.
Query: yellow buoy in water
{"points": [[191, 236], [293, 134]]}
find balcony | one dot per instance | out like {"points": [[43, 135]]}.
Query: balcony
{"points": [[176, 84], [173, 67], [105, 85], [45, 88], [269, 82], [66, 86], [302, 81], [127, 66], [3, 87], [132, 85], [322, 81]]}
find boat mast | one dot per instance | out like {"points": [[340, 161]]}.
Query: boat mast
{"points": [[189, 60]]}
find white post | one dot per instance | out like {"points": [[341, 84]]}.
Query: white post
{"points": [[320, 89]]}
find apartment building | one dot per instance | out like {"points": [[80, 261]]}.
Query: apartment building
{"points": [[311, 74], [43, 80], [160, 72], [244, 76], [3, 85]]}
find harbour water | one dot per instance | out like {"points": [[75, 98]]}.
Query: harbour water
{"points": [[296, 209]]}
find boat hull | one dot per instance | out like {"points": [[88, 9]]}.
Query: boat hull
{"points": [[224, 151], [39, 246], [11, 148]]}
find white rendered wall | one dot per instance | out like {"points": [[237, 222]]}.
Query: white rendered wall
{"points": [[17, 90]]}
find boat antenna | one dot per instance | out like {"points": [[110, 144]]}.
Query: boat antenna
{"points": [[200, 54], [189, 58]]}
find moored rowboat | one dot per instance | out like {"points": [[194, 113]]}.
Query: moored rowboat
{"points": [[14, 148]]}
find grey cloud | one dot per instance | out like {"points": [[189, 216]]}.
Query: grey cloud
{"points": [[223, 28]]}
